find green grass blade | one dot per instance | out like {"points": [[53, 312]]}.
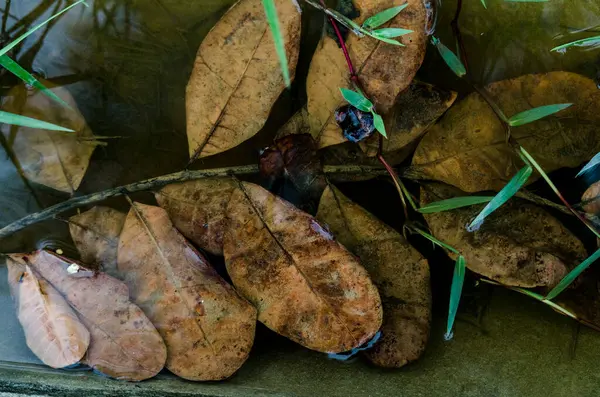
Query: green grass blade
{"points": [[379, 124], [526, 1], [390, 33], [573, 274], [578, 43], [511, 188], [453, 203], [593, 163], [385, 39], [19, 39], [383, 17], [15, 119], [435, 240], [273, 20], [449, 57], [455, 292], [28, 78], [484, 5], [357, 100], [535, 114]]}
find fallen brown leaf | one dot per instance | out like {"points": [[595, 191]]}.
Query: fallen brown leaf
{"points": [[52, 329], [305, 285], [591, 199], [207, 327], [519, 245], [468, 148], [237, 76], [399, 271], [123, 344], [96, 236], [384, 69], [198, 209], [51, 158]]}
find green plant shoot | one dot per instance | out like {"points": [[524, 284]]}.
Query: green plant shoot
{"points": [[593, 163], [379, 124], [458, 280], [578, 43], [357, 100], [383, 17], [273, 20], [454, 203], [449, 57], [15, 119], [390, 33], [535, 114], [572, 275]]}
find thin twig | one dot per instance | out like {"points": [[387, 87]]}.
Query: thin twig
{"points": [[334, 16]]}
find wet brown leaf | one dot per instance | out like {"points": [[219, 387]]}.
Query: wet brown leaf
{"points": [[52, 329], [384, 70], [237, 77], [399, 271], [468, 148], [96, 236], [198, 210], [207, 327], [591, 199], [519, 245], [297, 124], [305, 285], [51, 158], [124, 344]]}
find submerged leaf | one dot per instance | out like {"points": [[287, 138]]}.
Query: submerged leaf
{"points": [[453, 203], [535, 114], [458, 280], [383, 17], [271, 12], [573, 274], [207, 327], [305, 285], [237, 76], [124, 344], [52, 329], [593, 163], [449, 57], [357, 100], [399, 271]]}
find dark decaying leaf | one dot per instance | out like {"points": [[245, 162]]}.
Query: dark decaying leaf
{"points": [[124, 344], [198, 209], [467, 148], [96, 235], [52, 330], [52, 158], [519, 245], [399, 271], [384, 70], [207, 327], [305, 285], [237, 76]]}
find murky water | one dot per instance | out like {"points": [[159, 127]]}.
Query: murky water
{"points": [[127, 63]]}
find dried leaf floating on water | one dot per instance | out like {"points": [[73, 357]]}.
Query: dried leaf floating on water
{"points": [[96, 236], [510, 247], [123, 344], [52, 329], [198, 210], [467, 148], [305, 285], [399, 270], [384, 70], [207, 327], [52, 158], [237, 76]]}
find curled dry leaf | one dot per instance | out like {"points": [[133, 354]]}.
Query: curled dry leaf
{"points": [[51, 158], [96, 236], [52, 329], [399, 271], [591, 199], [123, 344], [197, 209], [384, 69], [237, 76], [207, 327], [305, 285], [519, 245], [468, 148]]}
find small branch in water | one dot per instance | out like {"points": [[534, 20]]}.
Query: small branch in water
{"points": [[160, 181]]}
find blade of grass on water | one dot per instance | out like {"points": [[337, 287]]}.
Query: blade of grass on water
{"points": [[273, 20], [435, 240], [502, 197], [538, 113], [449, 57], [357, 100], [390, 33], [484, 5], [383, 17], [455, 292], [593, 163], [573, 274], [28, 78], [15, 119], [578, 43], [453, 203]]}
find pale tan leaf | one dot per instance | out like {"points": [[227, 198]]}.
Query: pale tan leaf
{"points": [[207, 327], [52, 329], [305, 285], [237, 76]]}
